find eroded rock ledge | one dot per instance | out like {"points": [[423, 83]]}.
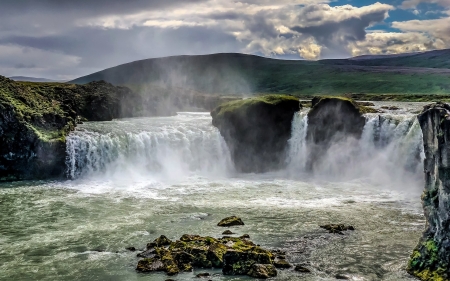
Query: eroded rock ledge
{"points": [[430, 260]]}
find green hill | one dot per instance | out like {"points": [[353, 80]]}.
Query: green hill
{"points": [[231, 74]]}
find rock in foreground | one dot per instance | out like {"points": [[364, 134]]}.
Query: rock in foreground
{"points": [[257, 130], [431, 259], [234, 255]]}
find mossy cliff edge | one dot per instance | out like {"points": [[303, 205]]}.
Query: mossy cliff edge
{"points": [[430, 260], [257, 130], [35, 118]]}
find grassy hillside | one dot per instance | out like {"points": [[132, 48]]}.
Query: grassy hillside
{"points": [[424, 73]]}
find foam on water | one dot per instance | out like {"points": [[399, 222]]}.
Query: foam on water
{"points": [[135, 179], [148, 150]]}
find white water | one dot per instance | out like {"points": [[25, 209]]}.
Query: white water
{"points": [[162, 148], [390, 152], [136, 179]]}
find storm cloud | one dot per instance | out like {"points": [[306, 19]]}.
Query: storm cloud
{"points": [[65, 39]]}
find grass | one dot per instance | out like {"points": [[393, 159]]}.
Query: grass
{"points": [[237, 74]]}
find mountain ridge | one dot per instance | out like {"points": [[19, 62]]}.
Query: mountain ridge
{"points": [[235, 74]]}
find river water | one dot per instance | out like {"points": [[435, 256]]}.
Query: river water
{"points": [[132, 180]]}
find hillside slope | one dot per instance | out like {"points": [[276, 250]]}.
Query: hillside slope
{"points": [[247, 74]]}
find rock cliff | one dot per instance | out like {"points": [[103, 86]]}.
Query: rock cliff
{"points": [[257, 130], [430, 260], [36, 117], [331, 120]]}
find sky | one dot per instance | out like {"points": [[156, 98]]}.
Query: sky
{"points": [[65, 39]]}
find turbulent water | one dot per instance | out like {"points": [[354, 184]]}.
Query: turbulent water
{"points": [[132, 180]]}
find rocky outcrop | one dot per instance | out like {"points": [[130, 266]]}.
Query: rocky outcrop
{"points": [[431, 259], [236, 256], [331, 120], [230, 221], [257, 130], [36, 117]]}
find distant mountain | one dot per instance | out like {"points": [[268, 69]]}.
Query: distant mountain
{"points": [[231, 74], [32, 79], [371, 57]]}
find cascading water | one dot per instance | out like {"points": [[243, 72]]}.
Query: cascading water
{"points": [[169, 148], [390, 151], [140, 178], [297, 144]]}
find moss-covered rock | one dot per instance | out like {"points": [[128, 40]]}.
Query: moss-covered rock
{"points": [[430, 260], [35, 118], [331, 120], [230, 221], [234, 255], [257, 130], [262, 271]]}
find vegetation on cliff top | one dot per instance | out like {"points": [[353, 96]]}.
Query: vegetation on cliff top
{"points": [[36, 117], [241, 106]]}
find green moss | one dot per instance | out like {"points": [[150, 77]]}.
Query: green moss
{"points": [[243, 105], [362, 109], [429, 275]]}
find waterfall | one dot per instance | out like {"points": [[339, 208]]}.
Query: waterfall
{"points": [[390, 150], [297, 144], [167, 147]]}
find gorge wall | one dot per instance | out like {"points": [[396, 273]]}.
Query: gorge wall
{"points": [[35, 118], [257, 130], [431, 260]]}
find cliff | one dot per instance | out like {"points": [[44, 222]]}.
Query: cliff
{"points": [[332, 120], [36, 117], [430, 260], [257, 130]]}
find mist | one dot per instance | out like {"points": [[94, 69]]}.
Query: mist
{"points": [[388, 154]]}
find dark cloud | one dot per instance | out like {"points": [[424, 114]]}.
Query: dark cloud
{"points": [[55, 38], [336, 35], [86, 7]]}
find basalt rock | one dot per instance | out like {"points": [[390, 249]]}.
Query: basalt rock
{"points": [[35, 118], [331, 120], [257, 130], [230, 221], [234, 255], [431, 258], [337, 228], [262, 271]]}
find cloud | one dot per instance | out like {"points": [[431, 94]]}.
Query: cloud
{"points": [[411, 4], [379, 43], [437, 31], [79, 37]]}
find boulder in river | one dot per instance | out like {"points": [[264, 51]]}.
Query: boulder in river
{"points": [[234, 255], [230, 221], [337, 228], [430, 260], [262, 271], [257, 130]]}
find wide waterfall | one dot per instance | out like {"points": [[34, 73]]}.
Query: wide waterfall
{"points": [[170, 147], [390, 151]]}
